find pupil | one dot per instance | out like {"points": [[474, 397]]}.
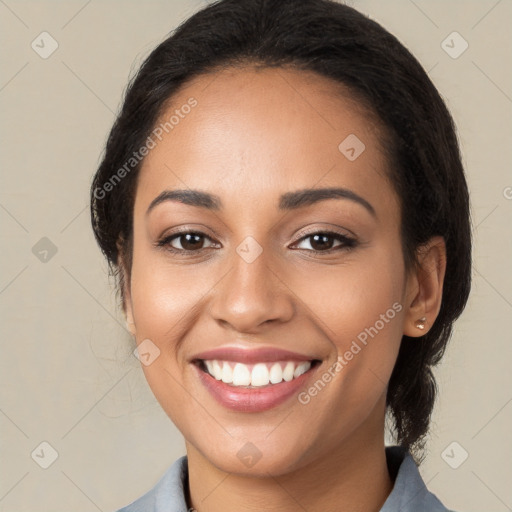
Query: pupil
{"points": [[321, 245], [191, 243]]}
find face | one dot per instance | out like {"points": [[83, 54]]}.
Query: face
{"points": [[264, 280]]}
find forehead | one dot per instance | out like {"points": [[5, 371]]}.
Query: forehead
{"points": [[254, 134]]}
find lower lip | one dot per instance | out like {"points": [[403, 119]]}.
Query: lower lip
{"points": [[255, 399]]}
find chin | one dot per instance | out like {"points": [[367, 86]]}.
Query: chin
{"points": [[256, 459]]}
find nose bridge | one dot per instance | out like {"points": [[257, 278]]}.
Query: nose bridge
{"points": [[252, 293]]}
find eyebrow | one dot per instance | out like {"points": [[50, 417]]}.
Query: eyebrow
{"points": [[287, 201]]}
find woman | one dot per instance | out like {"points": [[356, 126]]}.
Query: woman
{"points": [[283, 202]]}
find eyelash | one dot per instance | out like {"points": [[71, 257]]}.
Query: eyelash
{"points": [[348, 243]]}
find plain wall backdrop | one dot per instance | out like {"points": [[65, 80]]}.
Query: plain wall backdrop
{"points": [[68, 377]]}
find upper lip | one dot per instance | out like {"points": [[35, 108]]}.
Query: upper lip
{"points": [[250, 356]]}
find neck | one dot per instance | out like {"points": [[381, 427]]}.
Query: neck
{"points": [[351, 477]]}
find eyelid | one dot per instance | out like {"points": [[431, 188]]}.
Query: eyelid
{"points": [[180, 230], [328, 230]]}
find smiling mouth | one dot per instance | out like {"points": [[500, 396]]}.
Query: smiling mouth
{"points": [[255, 376]]}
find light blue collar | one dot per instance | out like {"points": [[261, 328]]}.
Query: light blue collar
{"points": [[409, 492]]}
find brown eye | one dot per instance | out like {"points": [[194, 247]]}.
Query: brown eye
{"points": [[322, 241], [189, 241]]}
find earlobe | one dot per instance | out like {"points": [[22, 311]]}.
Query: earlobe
{"points": [[124, 283], [420, 323], [128, 311], [130, 325], [425, 288]]}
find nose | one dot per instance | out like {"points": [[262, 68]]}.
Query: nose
{"points": [[253, 293]]}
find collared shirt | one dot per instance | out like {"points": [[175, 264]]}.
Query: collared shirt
{"points": [[409, 492]]}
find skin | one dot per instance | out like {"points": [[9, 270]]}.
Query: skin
{"points": [[254, 135]]}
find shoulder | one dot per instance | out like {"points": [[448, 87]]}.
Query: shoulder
{"points": [[167, 494], [409, 494]]}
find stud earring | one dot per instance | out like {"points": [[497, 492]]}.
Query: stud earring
{"points": [[420, 324]]}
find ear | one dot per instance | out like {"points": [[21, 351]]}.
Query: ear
{"points": [[124, 283], [424, 290]]}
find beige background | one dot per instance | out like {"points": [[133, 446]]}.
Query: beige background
{"points": [[68, 375]]}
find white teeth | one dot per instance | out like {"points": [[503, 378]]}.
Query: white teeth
{"points": [[227, 373], [241, 375], [209, 367], [262, 374], [288, 372], [259, 376], [217, 370], [276, 373], [302, 368]]}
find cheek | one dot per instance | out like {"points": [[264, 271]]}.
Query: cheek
{"points": [[162, 301], [346, 299], [358, 308], [162, 304], [164, 297]]}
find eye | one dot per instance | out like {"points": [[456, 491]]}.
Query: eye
{"points": [[187, 241], [322, 241], [192, 241]]}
